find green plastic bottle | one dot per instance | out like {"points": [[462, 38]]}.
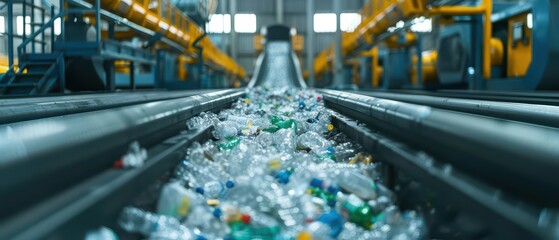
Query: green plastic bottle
{"points": [[242, 231], [358, 212], [231, 142]]}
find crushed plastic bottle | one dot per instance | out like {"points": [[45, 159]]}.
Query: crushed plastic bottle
{"points": [[225, 130], [134, 158], [358, 184], [153, 226], [215, 189], [103, 233], [177, 201], [277, 169]]}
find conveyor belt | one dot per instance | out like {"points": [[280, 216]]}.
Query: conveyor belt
{"points": [[474, 146], [521, 158], [484, 158], [509, 218], [68, 149], [278, 67], [532, 113], [23, 109], [542, 98]]}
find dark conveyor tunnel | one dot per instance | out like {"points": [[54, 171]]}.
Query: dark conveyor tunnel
{"points": [[487, 174], [277, 66]]}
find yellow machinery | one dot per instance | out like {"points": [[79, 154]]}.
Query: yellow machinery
{"points": [[379, 15], [164, 18]]}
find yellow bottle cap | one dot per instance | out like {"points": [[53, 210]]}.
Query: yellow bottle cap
{"points": [[213, 202], [304, 236]]}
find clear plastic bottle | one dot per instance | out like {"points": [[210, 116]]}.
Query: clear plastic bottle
{"points": [[208, 221], [154, 226], [284, 139], [357, 184], [313, 141], [215, 189], [328, 226], [134, 158], [265, 139], [177, 201], [224, 130], [103, 233]]}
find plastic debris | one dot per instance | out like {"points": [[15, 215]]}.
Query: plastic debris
{"points": [[103, 233], [277, 169], [134, 158]]}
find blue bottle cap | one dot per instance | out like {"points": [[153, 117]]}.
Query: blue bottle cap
{"points": [[200, 190], [330, 150], [334, 220], [229, 184], [283, 177], [217, 212], [333, 190], [317, 182]]}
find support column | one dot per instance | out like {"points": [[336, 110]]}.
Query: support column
{"points": [[223, 10], [310, 42], [279, 11], [11, 32], [233, 11], [338, 64]]}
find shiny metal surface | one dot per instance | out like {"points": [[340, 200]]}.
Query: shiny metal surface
{"points": [[520, 158], [24, 109], [532, 113], [278, 67], [69, 148]]}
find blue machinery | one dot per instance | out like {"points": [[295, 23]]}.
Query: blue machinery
{"points": [[83, 56]]}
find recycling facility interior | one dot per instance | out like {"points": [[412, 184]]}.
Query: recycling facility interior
{"points": [[279, 119]]}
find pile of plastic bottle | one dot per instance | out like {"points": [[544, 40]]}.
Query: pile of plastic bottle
{"points": [[277, 169]]}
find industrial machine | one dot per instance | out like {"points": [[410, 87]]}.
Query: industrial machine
{"points": [[104, 45], [481, 45], [474, 164], [277, 65]]}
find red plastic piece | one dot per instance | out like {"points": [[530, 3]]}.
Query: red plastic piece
{"points": [[118, 164], [245, 218]]}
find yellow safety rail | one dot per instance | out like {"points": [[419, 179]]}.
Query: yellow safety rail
{"points": [[163, 17], [379, 15]]}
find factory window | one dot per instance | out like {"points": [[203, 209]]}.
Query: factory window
{"points": [[325, 22], [19, 25], [219, 23], [2, 25], [57, 26], [349, 21], [421, 24], [245, 23]]}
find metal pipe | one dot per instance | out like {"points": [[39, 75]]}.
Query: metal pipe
{"points": [[71, 214], [70, 149], [338, 62], [98, 26], [520, 158], [503, 215], [279, 11], [310, 41], [223, 11], [531, 113], [233, 12], [10, 32]]}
